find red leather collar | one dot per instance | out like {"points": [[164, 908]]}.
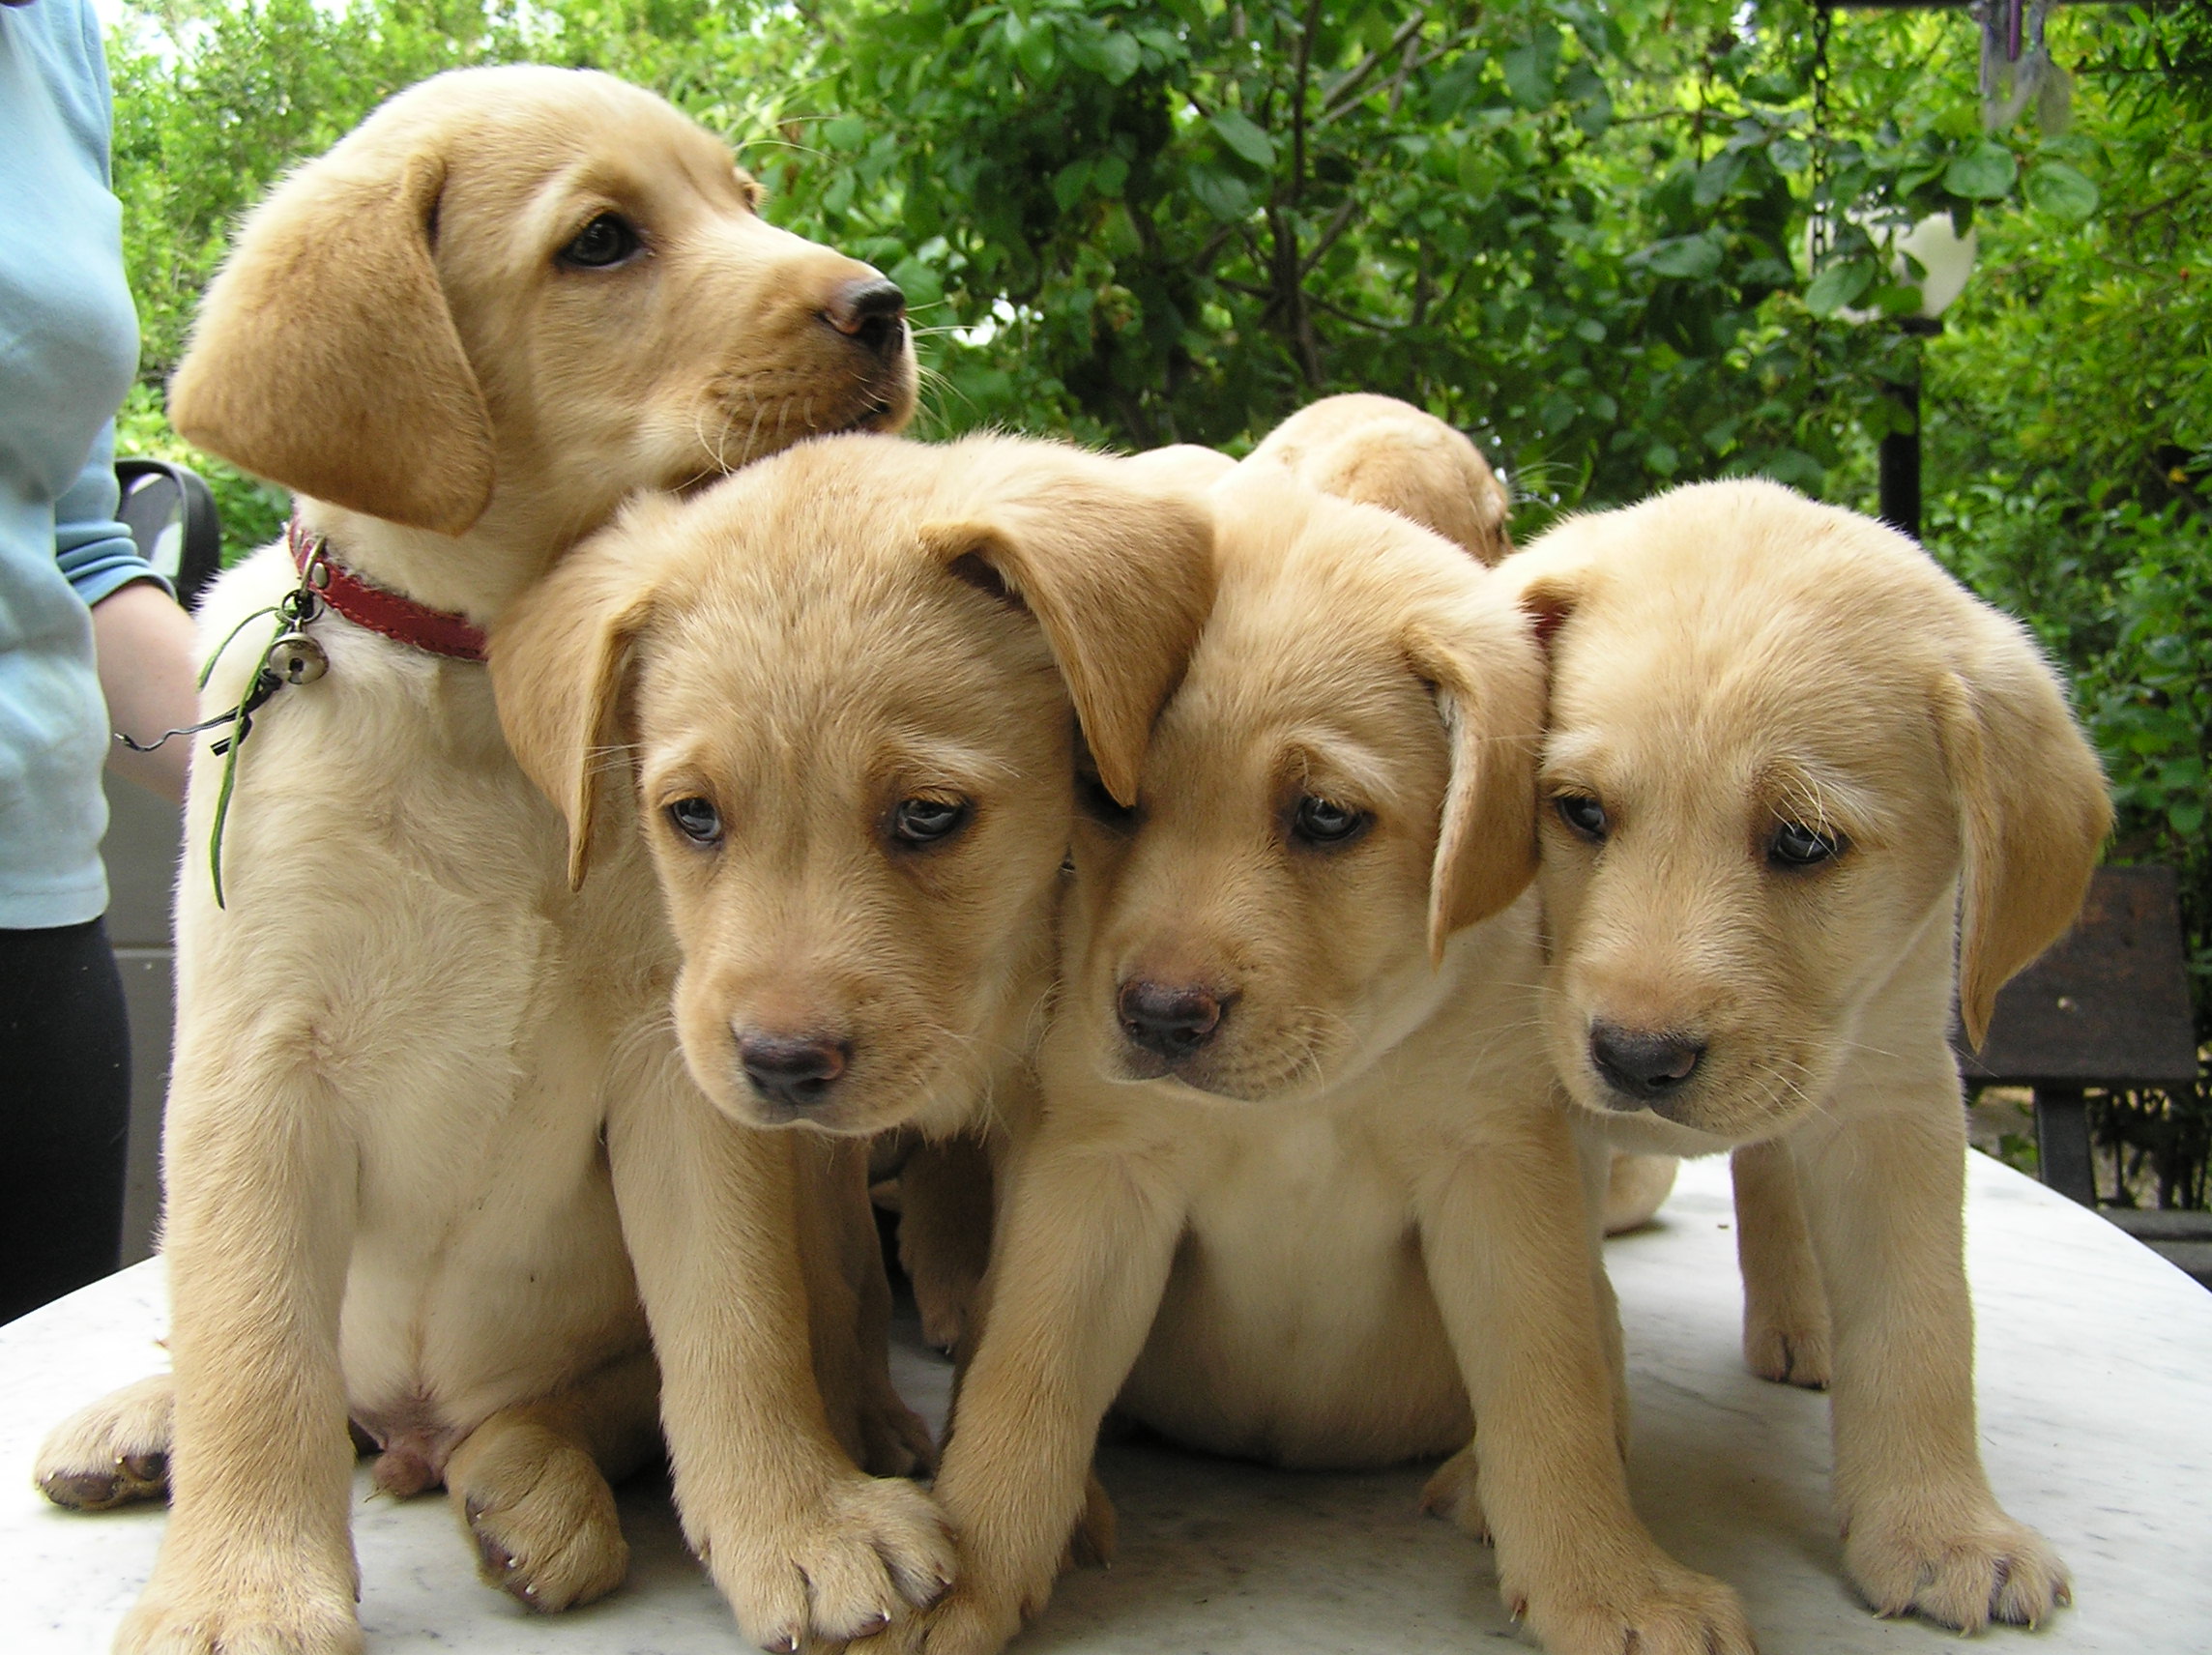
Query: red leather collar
{"points": [[378, 608]]}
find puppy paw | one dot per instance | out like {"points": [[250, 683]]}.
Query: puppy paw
{"points": [[112, 1453], [229, 1616], [862, 1555], [1961, 1568], [1789, 1349], [894, 1440], [961, 1624], [1098, 1533], [1451, 1493], [1659, 1608], [544, 1519]]}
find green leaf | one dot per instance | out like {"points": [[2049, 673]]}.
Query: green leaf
{"points": [[1837, 286], [2057, 189], [1717, 177], [1790, 153], [1693, 258], [1222, 194], [1662, 458], [1528, 71], [1245, 139], [1068, 187], [1983, 173], [845, 132], [921, 284]]}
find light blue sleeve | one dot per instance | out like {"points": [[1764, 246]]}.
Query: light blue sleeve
{"points": [[93, 546]]}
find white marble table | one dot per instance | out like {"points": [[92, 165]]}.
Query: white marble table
{"points": [[2096, 1390]]}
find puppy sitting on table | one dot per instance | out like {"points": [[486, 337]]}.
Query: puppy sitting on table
{"points": [[425, 1113], [1294, 1096]]}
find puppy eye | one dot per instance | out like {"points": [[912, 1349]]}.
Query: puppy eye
{"points": [[921, 822], [1584, 814], [1316, 821], [1797, 845], [606, 241], [697, 819]]}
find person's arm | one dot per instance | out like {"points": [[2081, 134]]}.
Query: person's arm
{"points": [[145, 643]]}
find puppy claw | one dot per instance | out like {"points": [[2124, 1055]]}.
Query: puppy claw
{"points": [[1961, 1569]]}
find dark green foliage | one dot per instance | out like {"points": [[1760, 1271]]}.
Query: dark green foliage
{"points": [[1577, 229]]}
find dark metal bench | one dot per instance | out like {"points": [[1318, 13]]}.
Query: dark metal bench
{"points": [[2108, 1007]]}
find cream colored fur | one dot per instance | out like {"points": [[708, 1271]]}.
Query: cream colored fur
{"points": [[432, 1158], [1382, 452], [1368, 1163], [1729, 660]]}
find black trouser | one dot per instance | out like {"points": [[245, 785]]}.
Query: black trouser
{"points": [[65, 1111]]}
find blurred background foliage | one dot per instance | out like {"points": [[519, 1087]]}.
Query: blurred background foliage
{"points": [[1577, 230]]}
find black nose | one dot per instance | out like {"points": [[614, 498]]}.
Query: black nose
{"points": [[872, 312], [1641, 1064], [797, 1071], [1171, 1019]]}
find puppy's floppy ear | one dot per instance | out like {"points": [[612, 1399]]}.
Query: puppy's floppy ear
{"points": [[1491, 698], [325, 359], [560, 657], [1120, 579], [2032, 811]]}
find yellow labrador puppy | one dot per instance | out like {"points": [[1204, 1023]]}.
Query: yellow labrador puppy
{"points": [[424, 1114], [1293, 1099], [839, 684], [1376, 449], [1382, 452], [1793, 775]]}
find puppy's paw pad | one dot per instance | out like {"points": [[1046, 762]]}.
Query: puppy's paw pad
{"points": [[114, 1452], [1960, 1576], [858, 1559], [544, 1525], [1451, 1493]]}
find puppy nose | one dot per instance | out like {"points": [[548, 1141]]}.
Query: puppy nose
{"points": [[1171, 1019], [871, 310], [1641, 1062], [796, 1071]]}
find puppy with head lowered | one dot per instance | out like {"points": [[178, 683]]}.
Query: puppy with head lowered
{"points": [[1293, 1101], [838, 696], [1792, 773], [424, 1117]]}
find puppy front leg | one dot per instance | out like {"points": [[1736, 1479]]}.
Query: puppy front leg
{"points": [[1086, 1241], [804, 1544], [1508, 1253], [1885, 1197], [849, 1310], [1785, 1334], [258, 1552]]}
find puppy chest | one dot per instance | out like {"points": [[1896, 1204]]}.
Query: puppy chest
{"points": [[1297, 1325]]}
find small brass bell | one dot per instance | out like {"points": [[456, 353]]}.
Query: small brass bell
{"points": [[297, 659]]}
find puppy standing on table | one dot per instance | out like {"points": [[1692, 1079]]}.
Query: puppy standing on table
{"points": [[426, 1110], [1294, 1098], [1791, 767]]}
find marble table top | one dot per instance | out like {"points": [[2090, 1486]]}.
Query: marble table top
{"points": [[2096, 1416]]}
